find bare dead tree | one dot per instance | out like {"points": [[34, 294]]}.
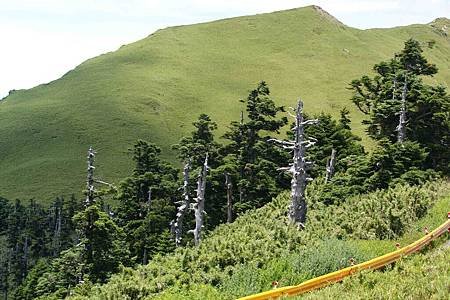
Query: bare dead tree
{"points": [[241, 150], [57, 231], [401, 127], [147, 206], [177, 225], [90, 189], [199, 205], [25, 257], [229, 186], [90, 178], [298, 207], [330, 165]]}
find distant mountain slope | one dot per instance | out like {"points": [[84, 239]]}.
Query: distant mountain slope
{"points": [[155, 88]]}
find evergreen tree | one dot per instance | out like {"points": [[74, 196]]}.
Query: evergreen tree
{"points": [[4, 270], [390, 163], [5, 208], [426, 118], [104, 248], [256, 161], [200, 142], [330, 134], [146, 201], [27, 290], [15, 243]]}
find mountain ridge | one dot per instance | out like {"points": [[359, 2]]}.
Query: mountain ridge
{"points": [[317, 8]]}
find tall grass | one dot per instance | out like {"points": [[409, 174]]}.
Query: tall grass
{"points": [[422, 276]]}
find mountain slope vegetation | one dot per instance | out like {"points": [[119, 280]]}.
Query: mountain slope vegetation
{"points": [[423, 276], [260, 247], [154, 88]]}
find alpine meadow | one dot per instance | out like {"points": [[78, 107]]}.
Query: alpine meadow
{"points": [[258, 157], [155, 88]]}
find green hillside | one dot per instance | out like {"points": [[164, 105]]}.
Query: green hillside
{"points": [[155, 88]]}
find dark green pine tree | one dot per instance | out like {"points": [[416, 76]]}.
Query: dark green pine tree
{"points": [[15, 243], [103, 241], [28, 288], [61, 228], [200, 142], [148, 195], [70, 208], [99, 253], [36, 232], [4, 271], [427, 120], [252, 161], [5, 209], [331, 134]]}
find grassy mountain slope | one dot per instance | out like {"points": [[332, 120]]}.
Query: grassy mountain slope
{"points": [[244, 257], [423, 276], [155, 88]]}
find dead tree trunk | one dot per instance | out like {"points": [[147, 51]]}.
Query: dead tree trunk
{"points": [[298, 207], [229, 186], [184, 205], [25, 258], [147, 211], [330, 165], [90, 197], [90, 190], [401, 128], [199, 205], [57, 232], [149, 198], [241, 150]]}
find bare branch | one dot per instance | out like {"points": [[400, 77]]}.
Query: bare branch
{"points": [[105, 183], [309, 122], [330, 166], [282, 142]]}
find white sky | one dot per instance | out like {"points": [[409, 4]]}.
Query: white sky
{"points": [[40, 40]]}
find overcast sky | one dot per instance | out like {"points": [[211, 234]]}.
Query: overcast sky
{"points": [[40, 40]]}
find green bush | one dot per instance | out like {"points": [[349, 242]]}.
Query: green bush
{"points": [[318, 258], [260, 247], [383, 214]]}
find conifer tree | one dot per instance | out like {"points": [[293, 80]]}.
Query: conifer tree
{"points": [[144, 225], [420, 114], [331, 134], [200, 142], [256, 161], [103, 240]]}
